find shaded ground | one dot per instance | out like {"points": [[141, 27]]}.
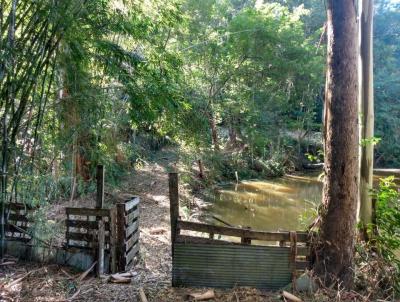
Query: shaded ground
{"points": [[27, 282]]}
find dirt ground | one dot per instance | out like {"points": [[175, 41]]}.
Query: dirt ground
{"points": [[29, 282]]}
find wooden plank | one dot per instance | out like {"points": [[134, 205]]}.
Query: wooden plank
{"points": [[302, 265], [130, 204], [89, 225], [131, 229], [11, 228], [131, 217], [113, 240], [131, 241], [301, 250], [17, 217], [87, 212], [100, 172], [237, 232], [120, 236], [193, 239], [22, 239], [100, 250], [129, 256], [173, 184], [16, 234], [85, 237]]}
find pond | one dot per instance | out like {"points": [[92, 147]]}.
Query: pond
{"points": [[282, 204]]}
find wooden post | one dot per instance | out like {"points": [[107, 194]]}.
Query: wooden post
{"points": [[113, 240], [173, 204], [121, 236], [100, 251], [100, 186], [245, 240]]}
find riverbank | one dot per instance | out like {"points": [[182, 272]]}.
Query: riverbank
{"points": [[26, 282]]}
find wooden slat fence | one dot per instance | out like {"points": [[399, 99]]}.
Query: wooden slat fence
{"points": [[82, 227], [128, 233], [18, 221], [266, 260], [121, 232], [110, 236]]}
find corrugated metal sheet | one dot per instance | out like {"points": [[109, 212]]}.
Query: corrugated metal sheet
{"points": [[213, 265]]}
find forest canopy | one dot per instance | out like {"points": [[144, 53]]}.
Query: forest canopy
{"points": [[107, 81]]}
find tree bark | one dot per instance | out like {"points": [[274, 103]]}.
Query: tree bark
{"points": [[334, 254], [214, 131], [367, 109]]}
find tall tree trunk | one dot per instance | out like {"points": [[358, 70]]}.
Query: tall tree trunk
{"points": [[335, 251], [367, 108]]}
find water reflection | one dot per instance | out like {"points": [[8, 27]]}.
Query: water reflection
{"points": [[269, 205]]}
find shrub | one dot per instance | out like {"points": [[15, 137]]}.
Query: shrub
{"points": [[387, 229]]}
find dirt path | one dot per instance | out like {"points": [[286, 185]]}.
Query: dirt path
{"points": [[29, 282]]}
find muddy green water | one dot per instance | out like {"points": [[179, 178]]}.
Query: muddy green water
{"points": [[278, 204], [284, 204]]}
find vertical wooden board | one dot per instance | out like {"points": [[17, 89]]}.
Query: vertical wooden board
{"points": [[100, 252], [100, 173], [121, 236], [113, 240], [131, 204], [174, 204]]}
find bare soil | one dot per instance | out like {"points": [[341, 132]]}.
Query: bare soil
{"points": [[29, 282]]}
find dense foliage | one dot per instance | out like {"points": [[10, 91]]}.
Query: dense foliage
{"points": [[238, 84], [387, 85]]}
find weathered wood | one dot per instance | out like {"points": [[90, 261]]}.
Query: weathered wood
{"points": [[192, 239], [100, 173], [142, 295], [113, 240], [290, 297], [302, 265], [387, 172], [88, 237], [87, 212], [17, 217], [131, 241], [237, 232], [174, 204], [12, 228], [132, 203], [100, 250], [132, 216], [121, 236], [245, 240], [90, 225], [301, 250], [131, 254], [132, 228]]}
